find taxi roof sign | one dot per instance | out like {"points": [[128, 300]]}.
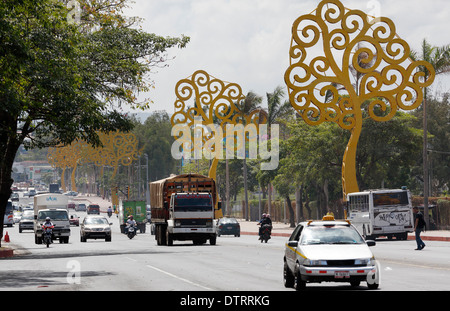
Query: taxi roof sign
{"points": [[328, 218]]}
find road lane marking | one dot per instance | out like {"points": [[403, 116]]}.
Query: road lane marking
{"points": [[179, 278], [403, 263]]}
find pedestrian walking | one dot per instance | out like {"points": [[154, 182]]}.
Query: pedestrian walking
{"points": [[419, 226]]}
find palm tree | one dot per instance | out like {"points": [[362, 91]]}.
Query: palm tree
{"points": [[276, 109], [249, 105], [439, 58]]}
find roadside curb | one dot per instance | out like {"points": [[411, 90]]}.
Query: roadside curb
{"points": [[6, 252], [432, 238], [272, 234]]}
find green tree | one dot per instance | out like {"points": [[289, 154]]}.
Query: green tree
{"points": [[155, 138], [388, 152], [312, 157], [250, 104], [438, 127], [439, 58], [276, 109], [60, 82]]}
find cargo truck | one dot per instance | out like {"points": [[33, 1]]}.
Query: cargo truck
{"points": [[184, 208], [52, 205], [135, 208]]}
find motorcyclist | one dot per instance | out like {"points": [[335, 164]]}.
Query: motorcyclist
{"points": [[264, 221], [48, 225], [109, 211], [130, 223]]}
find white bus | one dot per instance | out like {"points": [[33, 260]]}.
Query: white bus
{"points": [[382, 212]]}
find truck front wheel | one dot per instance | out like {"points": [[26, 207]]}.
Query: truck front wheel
{"points": [[213, 240], [161, 235], [169, 238]]}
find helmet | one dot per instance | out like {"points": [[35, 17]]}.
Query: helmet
{"points": [[268, 215], [47, 219], [264, 215]]}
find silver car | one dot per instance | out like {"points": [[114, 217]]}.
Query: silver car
{"points": [[328, 251], [95, 227], [26, 222]]}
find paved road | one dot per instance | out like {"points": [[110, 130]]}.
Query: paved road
{"points": [[234, 264]]}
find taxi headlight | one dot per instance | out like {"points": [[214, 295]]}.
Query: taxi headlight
{"points": [[311, 263], [364, 262]]}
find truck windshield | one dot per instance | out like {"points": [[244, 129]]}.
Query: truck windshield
{"points": [[190, 204], [54, 215], [390, 198]]}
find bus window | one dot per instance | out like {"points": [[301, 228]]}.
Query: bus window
{"points": [[359, 203], [390, 198]]}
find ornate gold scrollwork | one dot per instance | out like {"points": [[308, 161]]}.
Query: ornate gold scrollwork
{"points": [[346, 65], [214, 102]]}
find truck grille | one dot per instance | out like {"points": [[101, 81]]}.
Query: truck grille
{"points": [[193, 222]]}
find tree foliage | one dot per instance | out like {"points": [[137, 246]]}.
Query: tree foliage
{"points": [[61, 81]]}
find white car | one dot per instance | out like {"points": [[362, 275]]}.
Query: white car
{"points": [[16, 216], [328, 251]]}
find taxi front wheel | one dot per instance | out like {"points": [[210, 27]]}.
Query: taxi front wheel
{"points": [[299, 283], [288, 277]]}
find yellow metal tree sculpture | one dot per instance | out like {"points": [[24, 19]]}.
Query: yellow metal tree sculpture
{"points": [[117, 148], [346, 66], [64, 157], [214, 102]]}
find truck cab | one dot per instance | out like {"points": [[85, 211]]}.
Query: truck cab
{"points": [[191, 217], [59, 218], [52, 205]]}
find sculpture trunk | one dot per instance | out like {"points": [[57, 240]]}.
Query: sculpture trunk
{"points": [[349, 181]]}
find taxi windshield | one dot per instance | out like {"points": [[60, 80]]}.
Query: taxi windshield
{"points": [[330, 235]]}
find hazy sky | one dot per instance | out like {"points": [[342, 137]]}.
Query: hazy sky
{"points": [[247, 41]]}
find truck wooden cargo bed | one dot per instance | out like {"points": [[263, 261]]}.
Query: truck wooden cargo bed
{"points": [[161, 191]]}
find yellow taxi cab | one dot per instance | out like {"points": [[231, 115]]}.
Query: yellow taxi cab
{"points": [[328, 250]]}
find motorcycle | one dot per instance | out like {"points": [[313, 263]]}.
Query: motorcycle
{"points": [[47, 235], [131, 231], [265, 233]]}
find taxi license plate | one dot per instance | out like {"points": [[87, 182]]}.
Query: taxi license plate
{"points": [[229, 228], [341, 274]]}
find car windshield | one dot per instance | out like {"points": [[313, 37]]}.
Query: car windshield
{"points": [[95, 221], [330, 235]]}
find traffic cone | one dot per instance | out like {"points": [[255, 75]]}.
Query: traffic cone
{"points": [[7, 237]]}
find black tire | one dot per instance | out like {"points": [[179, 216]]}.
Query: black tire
{"points": [[169, 238], [373, 286], [288, 277], [212, 240], [299, 283]]}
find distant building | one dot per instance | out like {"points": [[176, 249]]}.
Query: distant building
{"points": [[30, 171]]}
